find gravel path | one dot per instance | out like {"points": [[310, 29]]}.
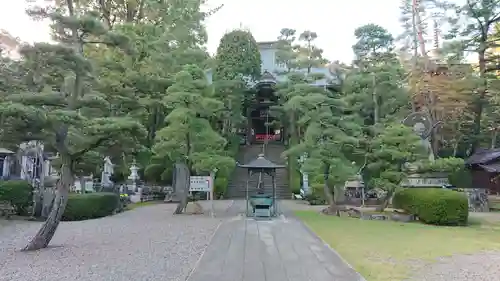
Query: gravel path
{"points": [[147, 243], [478, 267]]}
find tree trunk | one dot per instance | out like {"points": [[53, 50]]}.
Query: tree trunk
{"points": [[478, 110], [332, 207], [47, 202], [37, 201], [420, 31], [81, 179], [494, 139], [376, 108], [455, 149], [44, 235]]}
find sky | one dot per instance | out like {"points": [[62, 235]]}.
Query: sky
{"points": [[334, 23]]}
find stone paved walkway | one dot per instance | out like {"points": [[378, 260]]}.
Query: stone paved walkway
{"points": [[282, 249]]}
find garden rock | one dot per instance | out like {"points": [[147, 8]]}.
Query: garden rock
{"points": [[402, 217]]}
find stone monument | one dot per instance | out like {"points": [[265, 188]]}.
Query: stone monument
{"points": [[422, 126], [134, 177], [304, 189], [106, 174]]}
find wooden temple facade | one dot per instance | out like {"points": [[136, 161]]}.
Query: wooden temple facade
{"points": [[484, 166]]}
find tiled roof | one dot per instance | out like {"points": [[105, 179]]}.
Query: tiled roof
{"points": [[483, 156]]}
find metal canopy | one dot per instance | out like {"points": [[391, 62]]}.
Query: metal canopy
{"points": [[261, 164], [266, 79], [5, 151]]}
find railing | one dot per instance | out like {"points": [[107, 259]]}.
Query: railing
{"points": [[263, 137]]}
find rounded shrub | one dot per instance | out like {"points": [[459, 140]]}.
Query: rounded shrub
{"points": [[18, 193], [434, 205], [90, 205], [220, 188]]}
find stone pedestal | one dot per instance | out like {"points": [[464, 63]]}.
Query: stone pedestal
{"points": [[136, 193], [478, 199]]}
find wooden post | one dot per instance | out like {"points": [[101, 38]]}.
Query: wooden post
{"points": [[249, 125], [275, 207], [212, 186], [246, 192]]}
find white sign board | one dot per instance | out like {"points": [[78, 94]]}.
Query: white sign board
{"points": [[425, 182], [200, 183]]}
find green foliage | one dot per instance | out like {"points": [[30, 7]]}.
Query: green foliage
{"points": [[434, 205], [389, 151], [374, 43], [315, 117], [237, 56], [18, 193], [60, 106], [223, 176], [221, 184], [237, 61], [374, 86], [90, 206], [443, 165], [298, 52], [317, 196], [458, 174], [189, 136], [295, 179]]}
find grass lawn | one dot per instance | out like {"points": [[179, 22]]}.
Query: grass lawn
{"points": [[382, 250], [132, 206]]}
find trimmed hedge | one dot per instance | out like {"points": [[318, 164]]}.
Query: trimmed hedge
{"points": [[90, 206], [436, 206], [18, 193]]}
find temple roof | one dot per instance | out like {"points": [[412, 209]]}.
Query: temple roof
{"points": [[261, 163], [491, 168], [483, 156], [267, 76], [4, 151]]}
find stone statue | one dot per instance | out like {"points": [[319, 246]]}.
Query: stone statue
{"points": [[107, 172], [422, 126], [420, 129]]}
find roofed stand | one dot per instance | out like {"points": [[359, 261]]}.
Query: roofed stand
{"points": [[261, 204]]}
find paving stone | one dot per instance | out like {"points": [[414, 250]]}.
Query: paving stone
{"points": [[280, 249]]}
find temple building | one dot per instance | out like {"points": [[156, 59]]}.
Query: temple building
{"points": [[260, 122]]}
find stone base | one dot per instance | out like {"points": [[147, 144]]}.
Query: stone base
{"points": [[194, 208], [136, 198], [402, 217], [478, 199]]}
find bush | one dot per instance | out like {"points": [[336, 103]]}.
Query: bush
{"points": [[433, 205], [317, 196], [18, 193], [295, 185], [220, 188], [90, 206]]}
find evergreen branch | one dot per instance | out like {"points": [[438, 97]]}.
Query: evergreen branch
{"points": [[90, 147]]}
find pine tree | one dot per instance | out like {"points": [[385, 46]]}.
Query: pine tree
{"points": [[64, 113], [189, 138]]}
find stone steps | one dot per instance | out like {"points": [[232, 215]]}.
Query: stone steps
{"points": [[237, 185]]}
